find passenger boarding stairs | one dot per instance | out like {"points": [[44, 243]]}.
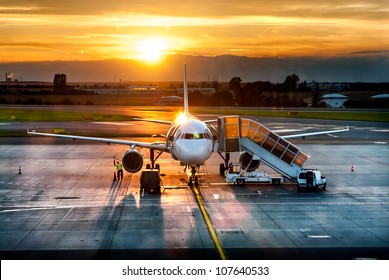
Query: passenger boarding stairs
{"points": [[238, 134]]}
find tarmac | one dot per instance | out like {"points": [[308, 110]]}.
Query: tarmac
{"points": [[63, 203]]}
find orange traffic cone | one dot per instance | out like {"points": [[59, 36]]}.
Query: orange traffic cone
{"points": [[352, 167]]}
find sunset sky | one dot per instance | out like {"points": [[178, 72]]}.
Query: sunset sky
{"points": [[40, 30]]}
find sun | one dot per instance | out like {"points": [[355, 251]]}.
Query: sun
{"points": [[152, 49]]}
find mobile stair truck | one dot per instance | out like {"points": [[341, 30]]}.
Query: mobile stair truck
{"points": [[254, 141]]}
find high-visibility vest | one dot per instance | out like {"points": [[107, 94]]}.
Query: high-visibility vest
{"points": [[119, 166]]}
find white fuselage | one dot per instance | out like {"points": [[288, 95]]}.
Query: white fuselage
{"points": [[192, 142]]}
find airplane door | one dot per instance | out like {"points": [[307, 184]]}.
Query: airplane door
{"points": [[170, 135]]}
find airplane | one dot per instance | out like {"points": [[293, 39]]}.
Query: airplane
{"points": [[189, 140]]}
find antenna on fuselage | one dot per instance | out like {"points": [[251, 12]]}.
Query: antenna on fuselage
{"points": [[186, 104]]}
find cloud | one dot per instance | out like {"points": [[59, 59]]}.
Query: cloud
{"points": [[374, 52], [19, 10], [372, 9], [214, 27]]}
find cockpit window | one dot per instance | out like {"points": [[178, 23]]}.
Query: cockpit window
{"points": [[194, 136], [198, 136]]}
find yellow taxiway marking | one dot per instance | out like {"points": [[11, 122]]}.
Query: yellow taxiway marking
{"points": [[209, 225]]}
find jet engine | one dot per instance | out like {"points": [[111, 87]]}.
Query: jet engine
{"points": [[246, 159], [132, 161]]}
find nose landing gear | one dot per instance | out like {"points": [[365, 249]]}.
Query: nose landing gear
{"points": [[193, 179]]}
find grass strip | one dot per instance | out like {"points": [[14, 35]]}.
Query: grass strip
{"points": [[379, 116], [28, 115], [25, 115]]}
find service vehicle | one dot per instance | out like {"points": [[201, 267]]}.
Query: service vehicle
{"points": [[150, 181], [311, 178], [236, 174]]}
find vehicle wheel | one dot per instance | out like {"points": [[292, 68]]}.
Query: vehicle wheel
{"points": [[148, 166], [325, 186], [157, 166], [276, 182], [240, 182], [298, 188], [222, 169]]}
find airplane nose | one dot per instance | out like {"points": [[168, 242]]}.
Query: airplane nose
{"points": [[194, 152]]}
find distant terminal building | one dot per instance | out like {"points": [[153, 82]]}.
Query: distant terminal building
{"points": [[129, 89], [201, 90], [380, 100], [103, 90], [170, 100], [380, 96], [9, 77], [143, 89], [334, 100], [328, 87]]}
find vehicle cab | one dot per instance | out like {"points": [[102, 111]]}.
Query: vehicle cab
{"points": [[311, 179]]}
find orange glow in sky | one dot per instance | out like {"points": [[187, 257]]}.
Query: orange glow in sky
{"points": [[40, 30], [151, 49]]}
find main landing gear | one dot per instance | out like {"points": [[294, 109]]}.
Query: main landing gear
{"points": [[153, 159]]}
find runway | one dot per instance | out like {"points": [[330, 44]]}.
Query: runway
{"points": [[360, 132], [65, 205]]}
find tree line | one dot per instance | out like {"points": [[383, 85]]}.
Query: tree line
{"points": [[290, 93], [267, 94]]}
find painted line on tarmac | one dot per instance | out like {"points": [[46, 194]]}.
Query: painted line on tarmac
{"points": [[211, 230], [318, 236], [113, 123], [219, 184]]}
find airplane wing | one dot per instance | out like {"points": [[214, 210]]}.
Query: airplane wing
{"points": [[210, 121], [314, 133], [302, 135], [160, 146]]}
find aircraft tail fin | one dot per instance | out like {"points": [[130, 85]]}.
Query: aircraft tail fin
{"points": [[186, 103]]}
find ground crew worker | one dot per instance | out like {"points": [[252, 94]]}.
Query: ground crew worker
{"points": [[119, 168]]}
